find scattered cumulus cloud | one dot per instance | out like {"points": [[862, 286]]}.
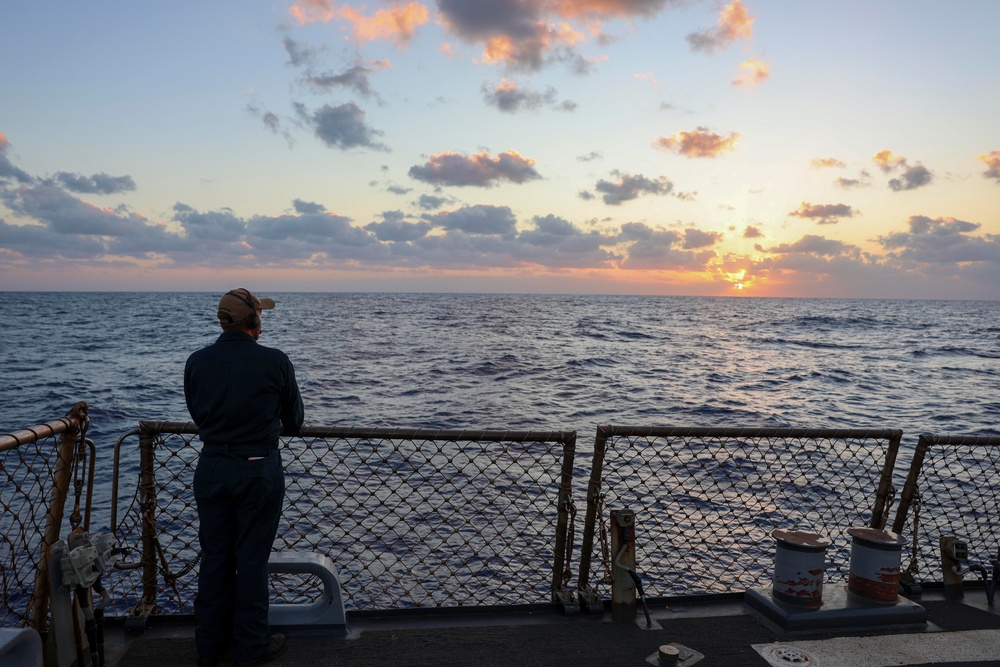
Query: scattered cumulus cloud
{"points": [[812, 245], [480, 170], [356, 78], [734, 23], [752, 232], [887, 161], [824, 214], [752, 72], [699, 143], [943, 240], [508, 97], [912, 178], [991, 160], [827, 162], [631, 186], [341, 126], [7, 169], [397, 24], [99, 184], [478, 219]]}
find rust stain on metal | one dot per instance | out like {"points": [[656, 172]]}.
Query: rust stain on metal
{"points": [[874, 535], [801, 538]]}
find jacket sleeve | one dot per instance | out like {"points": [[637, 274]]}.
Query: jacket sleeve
{"points": [[292, 411]]}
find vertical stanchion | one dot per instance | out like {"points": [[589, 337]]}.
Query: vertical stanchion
{"points": [[147, 503], [623, 554], [54, 515]]}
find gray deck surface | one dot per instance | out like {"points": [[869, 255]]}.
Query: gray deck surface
{"points": [[723, 632]]}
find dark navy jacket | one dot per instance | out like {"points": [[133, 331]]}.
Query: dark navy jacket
{"points": [[242, 393]]}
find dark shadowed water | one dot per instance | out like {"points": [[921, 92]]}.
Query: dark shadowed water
{"points": [[524, 361]]}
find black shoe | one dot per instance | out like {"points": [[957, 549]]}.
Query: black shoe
{"points": [[276, 648]]}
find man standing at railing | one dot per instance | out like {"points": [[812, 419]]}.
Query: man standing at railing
{"points": [[240, 394]]}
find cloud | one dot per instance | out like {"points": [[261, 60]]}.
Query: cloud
{"points": [[697, 143], [825, 214], [589, 157], [8, 170], [752, 232], [813, 245], [696, 238], [752, 72], [942, 240], [649, 248], [888, 162], [629, 187], [734, 23], [341, 126], [531, 34], [431, 202], [991, 160], [862, 181], [508, 97], [355, 78], [480, 169], [98, 184], [478, 219], [826, 162], [307, 207], [300, 54], [395, 228], [912, 178], [397, 24]]}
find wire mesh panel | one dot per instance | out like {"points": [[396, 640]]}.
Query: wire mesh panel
{"points": [[950, 490], [707, 500], [34, 483], [413, 517]]}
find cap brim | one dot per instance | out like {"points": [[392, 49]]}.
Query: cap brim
{"points": [[266, 303]]}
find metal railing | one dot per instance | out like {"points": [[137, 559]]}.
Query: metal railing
{"points": [[433, 518], [36, 462], [951, 489], [707, 499], [412, 517]]}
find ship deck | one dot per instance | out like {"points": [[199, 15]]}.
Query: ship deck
{"points": [[710, 632]]}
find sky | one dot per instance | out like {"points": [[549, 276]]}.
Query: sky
{"points": [[822, 148]]}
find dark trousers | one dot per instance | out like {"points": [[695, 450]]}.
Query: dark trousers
{"points": [[239, 505]]}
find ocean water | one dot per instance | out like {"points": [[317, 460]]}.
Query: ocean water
{"points": [[524, 361]]}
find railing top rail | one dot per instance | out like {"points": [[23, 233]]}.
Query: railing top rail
{"points": [[487, 435], [975, 440], [34, 433], [609, 430]]}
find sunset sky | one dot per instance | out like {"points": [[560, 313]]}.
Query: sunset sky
{"points": [[844, 148]]}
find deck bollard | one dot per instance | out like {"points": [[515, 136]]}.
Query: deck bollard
{"points": [[623, 555], [875, 559], [954, 565], [799, 565]]}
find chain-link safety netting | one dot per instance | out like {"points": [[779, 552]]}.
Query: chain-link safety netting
{"points": [[38, 468], [707, 499], [412, 517], [951, 490]]}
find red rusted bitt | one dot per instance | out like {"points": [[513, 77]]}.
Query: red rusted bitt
{"points": [[799, 565], [875, 558]]}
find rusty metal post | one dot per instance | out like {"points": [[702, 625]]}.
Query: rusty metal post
{"points": [[587, 594], [147, 505], [563, 545], [954, 555], [623, 562], [54, 514], [910, 487], [880, 512]]}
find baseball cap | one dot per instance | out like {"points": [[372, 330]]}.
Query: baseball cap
{"points": [[234, 306]]}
